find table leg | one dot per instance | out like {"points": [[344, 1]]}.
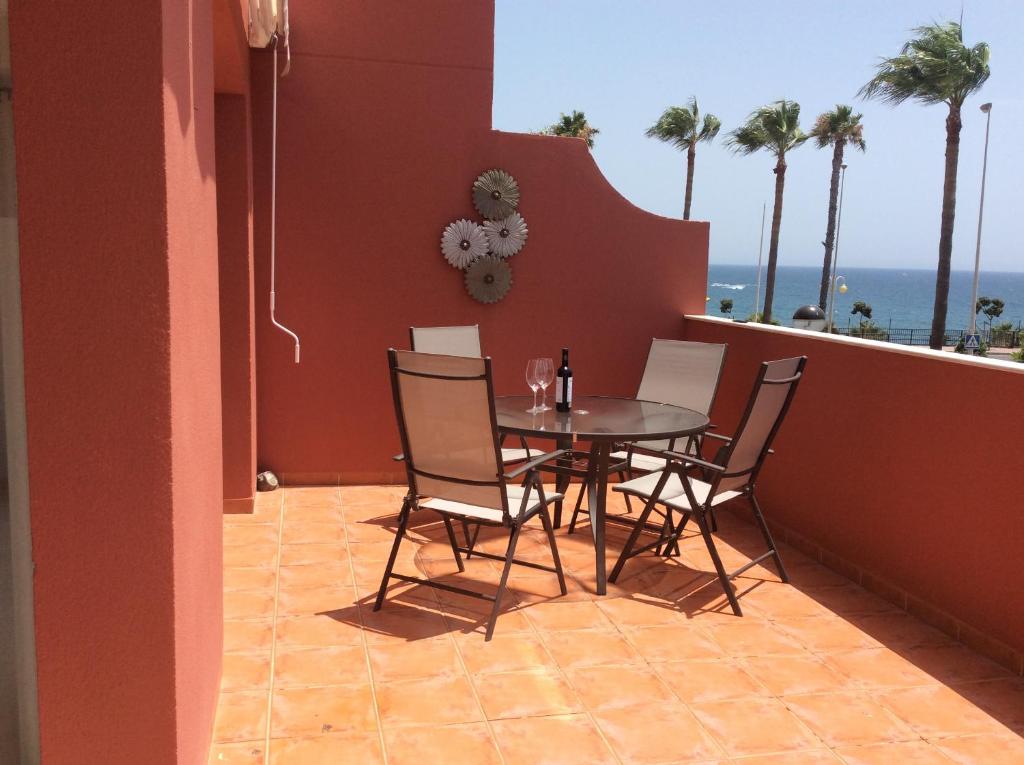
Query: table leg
{"points": [[598, 488], [562, 481]]}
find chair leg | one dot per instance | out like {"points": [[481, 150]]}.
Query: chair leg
{"points": [[768, 536], [470, 538], [666, 532], [627, 475], [509, 555], [451, 540], [698, 514], [631, 542], [578, 509], [677, 534], [550, 531], [403, 521]]}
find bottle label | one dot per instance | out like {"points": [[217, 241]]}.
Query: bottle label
{"points": [[566, 399]]}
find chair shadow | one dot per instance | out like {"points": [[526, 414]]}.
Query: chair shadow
{"points": [[671, 583], [942, 657]]}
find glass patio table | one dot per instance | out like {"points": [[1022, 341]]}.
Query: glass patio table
{"points": [[602, 421]]}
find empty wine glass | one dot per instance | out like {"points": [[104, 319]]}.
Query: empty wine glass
{"points": [[533, 380], [545, 376]]}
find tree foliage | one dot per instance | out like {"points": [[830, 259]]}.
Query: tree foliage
{"points": [[774, 128], [573, 125], [994, 309], [839, 126], [682, 127], [864, 309], [935, 67]]}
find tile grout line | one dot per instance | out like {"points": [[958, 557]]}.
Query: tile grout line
{"points": [[700, 723], [273, 631], [362, 633], [736, 661], [472, 686], [538, 633], [469, 675], [731, 659], [624, 630], [871, 693]]}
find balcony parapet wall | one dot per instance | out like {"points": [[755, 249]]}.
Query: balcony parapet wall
{"points": [[900, 467]]}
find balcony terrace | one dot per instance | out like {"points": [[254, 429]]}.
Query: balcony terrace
{"points": [[171, 189]]}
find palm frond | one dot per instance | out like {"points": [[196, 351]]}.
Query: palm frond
{"points": [[933, 67], [840, 125], [774, 128], [710, 127], [573, 125], [681, 126]]}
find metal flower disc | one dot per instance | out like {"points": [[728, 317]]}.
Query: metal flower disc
{"points": [[488, 279], [495, 194], [463, 242], [506, 237]]}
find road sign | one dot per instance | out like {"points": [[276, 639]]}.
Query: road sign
{"points": [[972, 342]]}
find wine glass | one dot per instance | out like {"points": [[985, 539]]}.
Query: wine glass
{"points": [[545, 376], [533, 380]]}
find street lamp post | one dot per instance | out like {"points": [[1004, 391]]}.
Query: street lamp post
{"points": [[760, 250], [835, 252], [832, 303], [987, 109]]}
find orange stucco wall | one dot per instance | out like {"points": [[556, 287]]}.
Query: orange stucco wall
{"points": [[117, 230], [237, 333], [385, 121], [884, 460]]}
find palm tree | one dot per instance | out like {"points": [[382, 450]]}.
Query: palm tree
{"points": [[776, 129], [936, 68], [573, 125], [681, 126], [836, 129]]}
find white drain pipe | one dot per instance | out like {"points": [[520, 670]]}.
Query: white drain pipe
{"points": [[273, 201]]}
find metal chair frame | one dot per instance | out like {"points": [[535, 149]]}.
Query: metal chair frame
{"points": [[514, 523], [627, 472], [522, 441], [682, 465]]}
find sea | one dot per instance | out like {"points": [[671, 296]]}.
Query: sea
{"points": [[899, 297]]}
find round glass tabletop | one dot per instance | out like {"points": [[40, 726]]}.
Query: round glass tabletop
{"points": [[599, 418]]}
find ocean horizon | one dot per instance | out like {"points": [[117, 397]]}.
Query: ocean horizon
{"points": [[899, 297]]}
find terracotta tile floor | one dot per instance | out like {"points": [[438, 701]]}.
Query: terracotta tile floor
{"points": [[658, 671]]}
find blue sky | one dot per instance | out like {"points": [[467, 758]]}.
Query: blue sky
{"points": [[624, 62]]}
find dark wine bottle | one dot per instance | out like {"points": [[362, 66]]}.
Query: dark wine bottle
{"points": [[563, 384]]}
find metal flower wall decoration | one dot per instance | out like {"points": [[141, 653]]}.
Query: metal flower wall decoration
{"points": [[463, 242], [488, 279], [482, 250], [495, 194], [506, 237]]}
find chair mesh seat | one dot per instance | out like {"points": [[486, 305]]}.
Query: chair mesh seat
{"points": [[672, 494], [515, 500], [509, 456], [640, 461]]}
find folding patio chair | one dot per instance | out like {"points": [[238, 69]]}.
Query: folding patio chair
{"points": [[450, 341], [677, 372], [463, 341], [449, 433], [733, 474]]}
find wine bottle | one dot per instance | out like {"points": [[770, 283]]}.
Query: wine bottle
{"points": [[563, 384]]}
